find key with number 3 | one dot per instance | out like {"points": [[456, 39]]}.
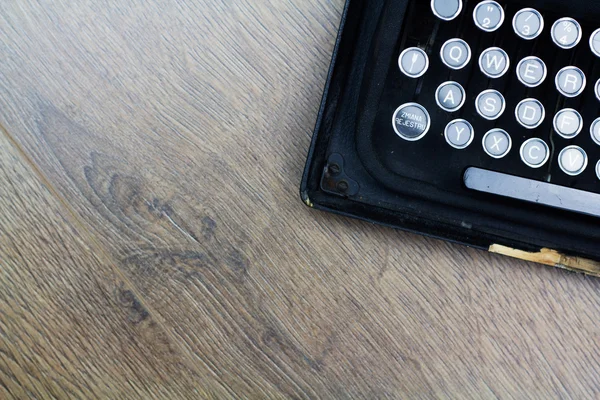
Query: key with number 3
{"points": [[528, 23]]}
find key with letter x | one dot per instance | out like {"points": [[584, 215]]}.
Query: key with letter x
{"points": [[497, 143]]}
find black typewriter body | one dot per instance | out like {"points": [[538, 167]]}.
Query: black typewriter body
{"points": [[388, 149]]}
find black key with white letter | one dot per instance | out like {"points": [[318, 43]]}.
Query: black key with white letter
{"points": [[411, 122]]}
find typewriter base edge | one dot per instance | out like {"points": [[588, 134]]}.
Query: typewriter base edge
{"points": [[543, 256], [551, 258]]}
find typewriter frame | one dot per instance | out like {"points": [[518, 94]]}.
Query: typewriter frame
{"points": [[335, 181]]}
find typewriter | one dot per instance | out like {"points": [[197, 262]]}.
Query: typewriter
{"points": [[472, 121]]}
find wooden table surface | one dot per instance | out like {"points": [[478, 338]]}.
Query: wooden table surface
{"points": [[153, 243]]}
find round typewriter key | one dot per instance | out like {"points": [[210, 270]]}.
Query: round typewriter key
{"points": [[459, 134], [413, 62], [490, 104], [411, 121], [595, 42], [570, 81], [573, 160], [595, 131], [531, 71], [530, 113], [528, 23], [568, 123], [450, 96], [455, 53], [446, 10], [566, 33], [497, 143], [597, 89], [494, 62], [535, 153], [598, 169], [488, 16]]}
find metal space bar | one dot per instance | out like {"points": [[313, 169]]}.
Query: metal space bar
{"points": [[532, 191]]}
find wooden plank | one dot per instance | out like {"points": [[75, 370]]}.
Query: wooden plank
{"points": [[71, 326], [177, 133]]}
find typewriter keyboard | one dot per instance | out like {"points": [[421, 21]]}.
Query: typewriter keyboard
{"points": [[551, 124]]}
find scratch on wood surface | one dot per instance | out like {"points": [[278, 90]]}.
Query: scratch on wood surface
{"points": [[179, 228], [552, 258]]}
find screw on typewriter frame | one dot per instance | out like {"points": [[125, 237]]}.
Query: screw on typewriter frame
{"points": [[335, 180], [334, 169], [342, 186]]}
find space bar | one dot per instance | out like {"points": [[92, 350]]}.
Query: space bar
{"points": [[561, 197]]}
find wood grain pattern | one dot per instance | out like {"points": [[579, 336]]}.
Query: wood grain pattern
{"points": [[71, 325], [173, 135]]}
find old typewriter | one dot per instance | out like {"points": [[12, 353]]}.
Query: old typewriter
{"points": [[472, 121]]}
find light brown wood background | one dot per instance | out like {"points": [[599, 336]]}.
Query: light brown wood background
{"points": [[153, 243]]}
